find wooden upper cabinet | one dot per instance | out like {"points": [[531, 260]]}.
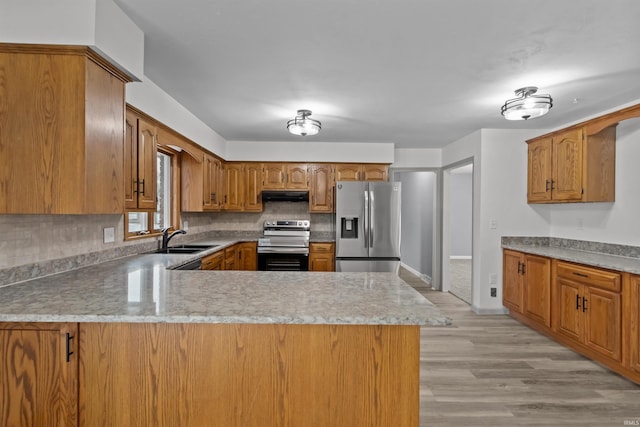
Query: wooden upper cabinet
{"points": [[234, 186], [62, 129], [361, 172], [252, 187], [375, 172], [539, 171], [39, 374], [566, 159], [348, 172], [321, 187], [285, 176], [570, 166], [142, 174]]}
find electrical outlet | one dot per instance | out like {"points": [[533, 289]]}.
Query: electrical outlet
{"points": [[185, 225], [493, 224], [494, 292], [109, 234], [493, 278]]}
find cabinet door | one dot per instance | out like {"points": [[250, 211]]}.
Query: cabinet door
{"points": [[570, 318], [274, 176], [234, 193], [131, 162], [217, 184], [214, 261], [603, 327], [321, 188], [147, 161], [248, 256], [38, 376], [321, 257], [634, 323], [348, 171], [231, 258], [208, 181], [375, 172], [512, 280], [539, 171], [537, 289], [567, 166], [252, 187], [296, 178]]}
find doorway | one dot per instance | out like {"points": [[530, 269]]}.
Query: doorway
{"points": [[457, 236]]}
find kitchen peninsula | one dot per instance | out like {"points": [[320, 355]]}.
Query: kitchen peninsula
{"points": [[147, 345]]}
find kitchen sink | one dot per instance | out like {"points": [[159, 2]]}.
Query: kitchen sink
{"points": [[183, 249]]}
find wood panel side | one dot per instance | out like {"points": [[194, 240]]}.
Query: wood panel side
{"points": [[249, 375], [41, 133], [632, 313], [104, 142], [600, 166]]}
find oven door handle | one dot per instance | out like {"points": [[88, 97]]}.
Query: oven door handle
{"points": [[280, 250]]}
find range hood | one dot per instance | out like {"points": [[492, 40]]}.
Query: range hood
{"points": [[285, 196]]}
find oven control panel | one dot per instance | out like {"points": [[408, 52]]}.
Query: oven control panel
{"points": [[288, 223]]}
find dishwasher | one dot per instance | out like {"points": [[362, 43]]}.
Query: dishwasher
{"points": [[196, 264]]}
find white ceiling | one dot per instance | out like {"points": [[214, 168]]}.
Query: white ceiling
{"points": [[418, 73]]}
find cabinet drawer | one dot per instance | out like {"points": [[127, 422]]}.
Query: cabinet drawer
{"points": [[211, 260], [321, 247], [590, 276]]}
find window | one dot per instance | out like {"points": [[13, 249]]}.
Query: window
{"points": [[144, 223]]}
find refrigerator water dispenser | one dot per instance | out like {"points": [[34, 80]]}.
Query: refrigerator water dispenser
{"points": [[349, 228]]}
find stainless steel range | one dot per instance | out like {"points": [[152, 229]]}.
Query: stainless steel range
{"points": [[284, 245]]}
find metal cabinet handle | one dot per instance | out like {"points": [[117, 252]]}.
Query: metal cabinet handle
{"points": [[577, 302], [584, 304]]}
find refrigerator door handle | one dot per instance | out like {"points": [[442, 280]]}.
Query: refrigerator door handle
{"points": [[372, 219], [366, 219]]}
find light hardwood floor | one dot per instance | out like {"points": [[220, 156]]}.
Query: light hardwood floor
{"points": [[493, 371]]}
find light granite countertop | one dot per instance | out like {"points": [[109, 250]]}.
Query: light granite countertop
{"points": [[595, 259], [143, 288]]}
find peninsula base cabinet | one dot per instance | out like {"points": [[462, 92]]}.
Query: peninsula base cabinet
{"points": [[38, 375], [594, 311], [169, 374]]}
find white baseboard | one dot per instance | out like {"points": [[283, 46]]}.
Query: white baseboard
{"points": [[425, 278], [501, 310]]}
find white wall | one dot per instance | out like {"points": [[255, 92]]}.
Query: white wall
{"points": [[308, 151], [417, 158], [151, 99]]}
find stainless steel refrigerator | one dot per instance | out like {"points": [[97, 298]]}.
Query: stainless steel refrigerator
{"points": [[367, 226]]}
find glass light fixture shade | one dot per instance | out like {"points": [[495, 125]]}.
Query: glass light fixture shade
{"points": [[527, 105], [302, 125]]}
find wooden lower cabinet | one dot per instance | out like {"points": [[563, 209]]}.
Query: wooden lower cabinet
{"points": [[215, 261], [321, 256], [594, 311], [588, 308], [633, 308], [527, 285], [168, 374], [248, 256], [38, 375]]}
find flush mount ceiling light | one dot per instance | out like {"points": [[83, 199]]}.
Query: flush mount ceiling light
{"points": [[303, 125], [527, 105]]}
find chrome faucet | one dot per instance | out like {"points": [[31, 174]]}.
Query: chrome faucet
{"points": [[166, 237]]}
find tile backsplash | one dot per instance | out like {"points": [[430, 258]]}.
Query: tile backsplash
{"points": [[30, 239]]}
